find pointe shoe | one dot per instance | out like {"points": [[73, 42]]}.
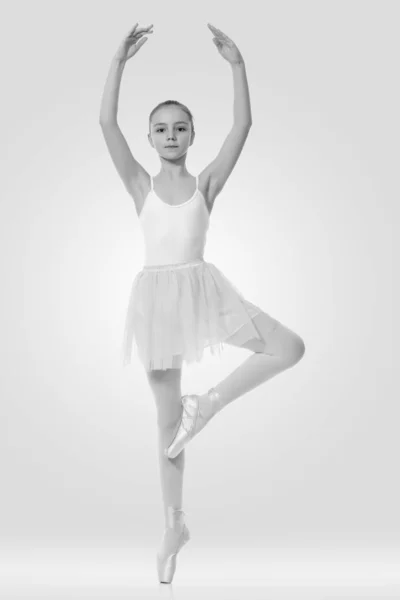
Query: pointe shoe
{"points": [[193, 420], [166, 565]]}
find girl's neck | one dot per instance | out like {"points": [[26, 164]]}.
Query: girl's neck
{"points": [[174, 174]]}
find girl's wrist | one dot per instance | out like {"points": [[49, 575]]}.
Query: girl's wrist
{"points": [[118, 59]]}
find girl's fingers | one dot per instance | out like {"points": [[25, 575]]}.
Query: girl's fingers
{"points": [[137, 35], [218, 33], [142, 30], [214, 28], [132, 31], [145, 33]]}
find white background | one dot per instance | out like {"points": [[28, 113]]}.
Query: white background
{"points": [[305, 228]]}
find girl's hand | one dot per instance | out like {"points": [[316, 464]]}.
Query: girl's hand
{"points": [[226, 47], [131, 44]]}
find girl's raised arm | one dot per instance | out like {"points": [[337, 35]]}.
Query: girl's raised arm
{"points": [[128, 48], [129, 169]]}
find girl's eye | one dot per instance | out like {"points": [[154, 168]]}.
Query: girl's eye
{"points": [[160, 128]]}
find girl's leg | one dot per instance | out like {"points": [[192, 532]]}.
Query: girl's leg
{"points": [[166, 388], [279, 350]]}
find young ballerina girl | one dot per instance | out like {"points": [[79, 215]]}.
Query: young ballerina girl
{"points": [[179, 303]]}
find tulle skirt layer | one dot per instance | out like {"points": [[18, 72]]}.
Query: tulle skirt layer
{"points": [[176, 311]]}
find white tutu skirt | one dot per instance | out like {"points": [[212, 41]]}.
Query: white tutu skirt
{"points": [[176, 311]]}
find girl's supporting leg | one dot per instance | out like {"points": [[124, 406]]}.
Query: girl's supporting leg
{"points": [[166, 388], [279, 350]]}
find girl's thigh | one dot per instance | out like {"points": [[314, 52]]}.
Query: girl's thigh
{"points": [[165, 385], [276, 338], [264, 324]]}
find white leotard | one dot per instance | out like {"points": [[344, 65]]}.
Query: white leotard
{"points": [[174, 233]]}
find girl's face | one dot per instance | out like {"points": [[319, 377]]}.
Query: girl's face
{"points": [[170, 127]]}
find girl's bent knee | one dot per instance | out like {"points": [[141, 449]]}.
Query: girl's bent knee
{"points": [[285, 344], [297, 350]]}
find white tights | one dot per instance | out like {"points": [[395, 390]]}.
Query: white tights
{"points": [[279, 350]]}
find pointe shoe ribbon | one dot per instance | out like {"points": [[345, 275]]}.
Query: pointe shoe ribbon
{"points": [[193, 420]]}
